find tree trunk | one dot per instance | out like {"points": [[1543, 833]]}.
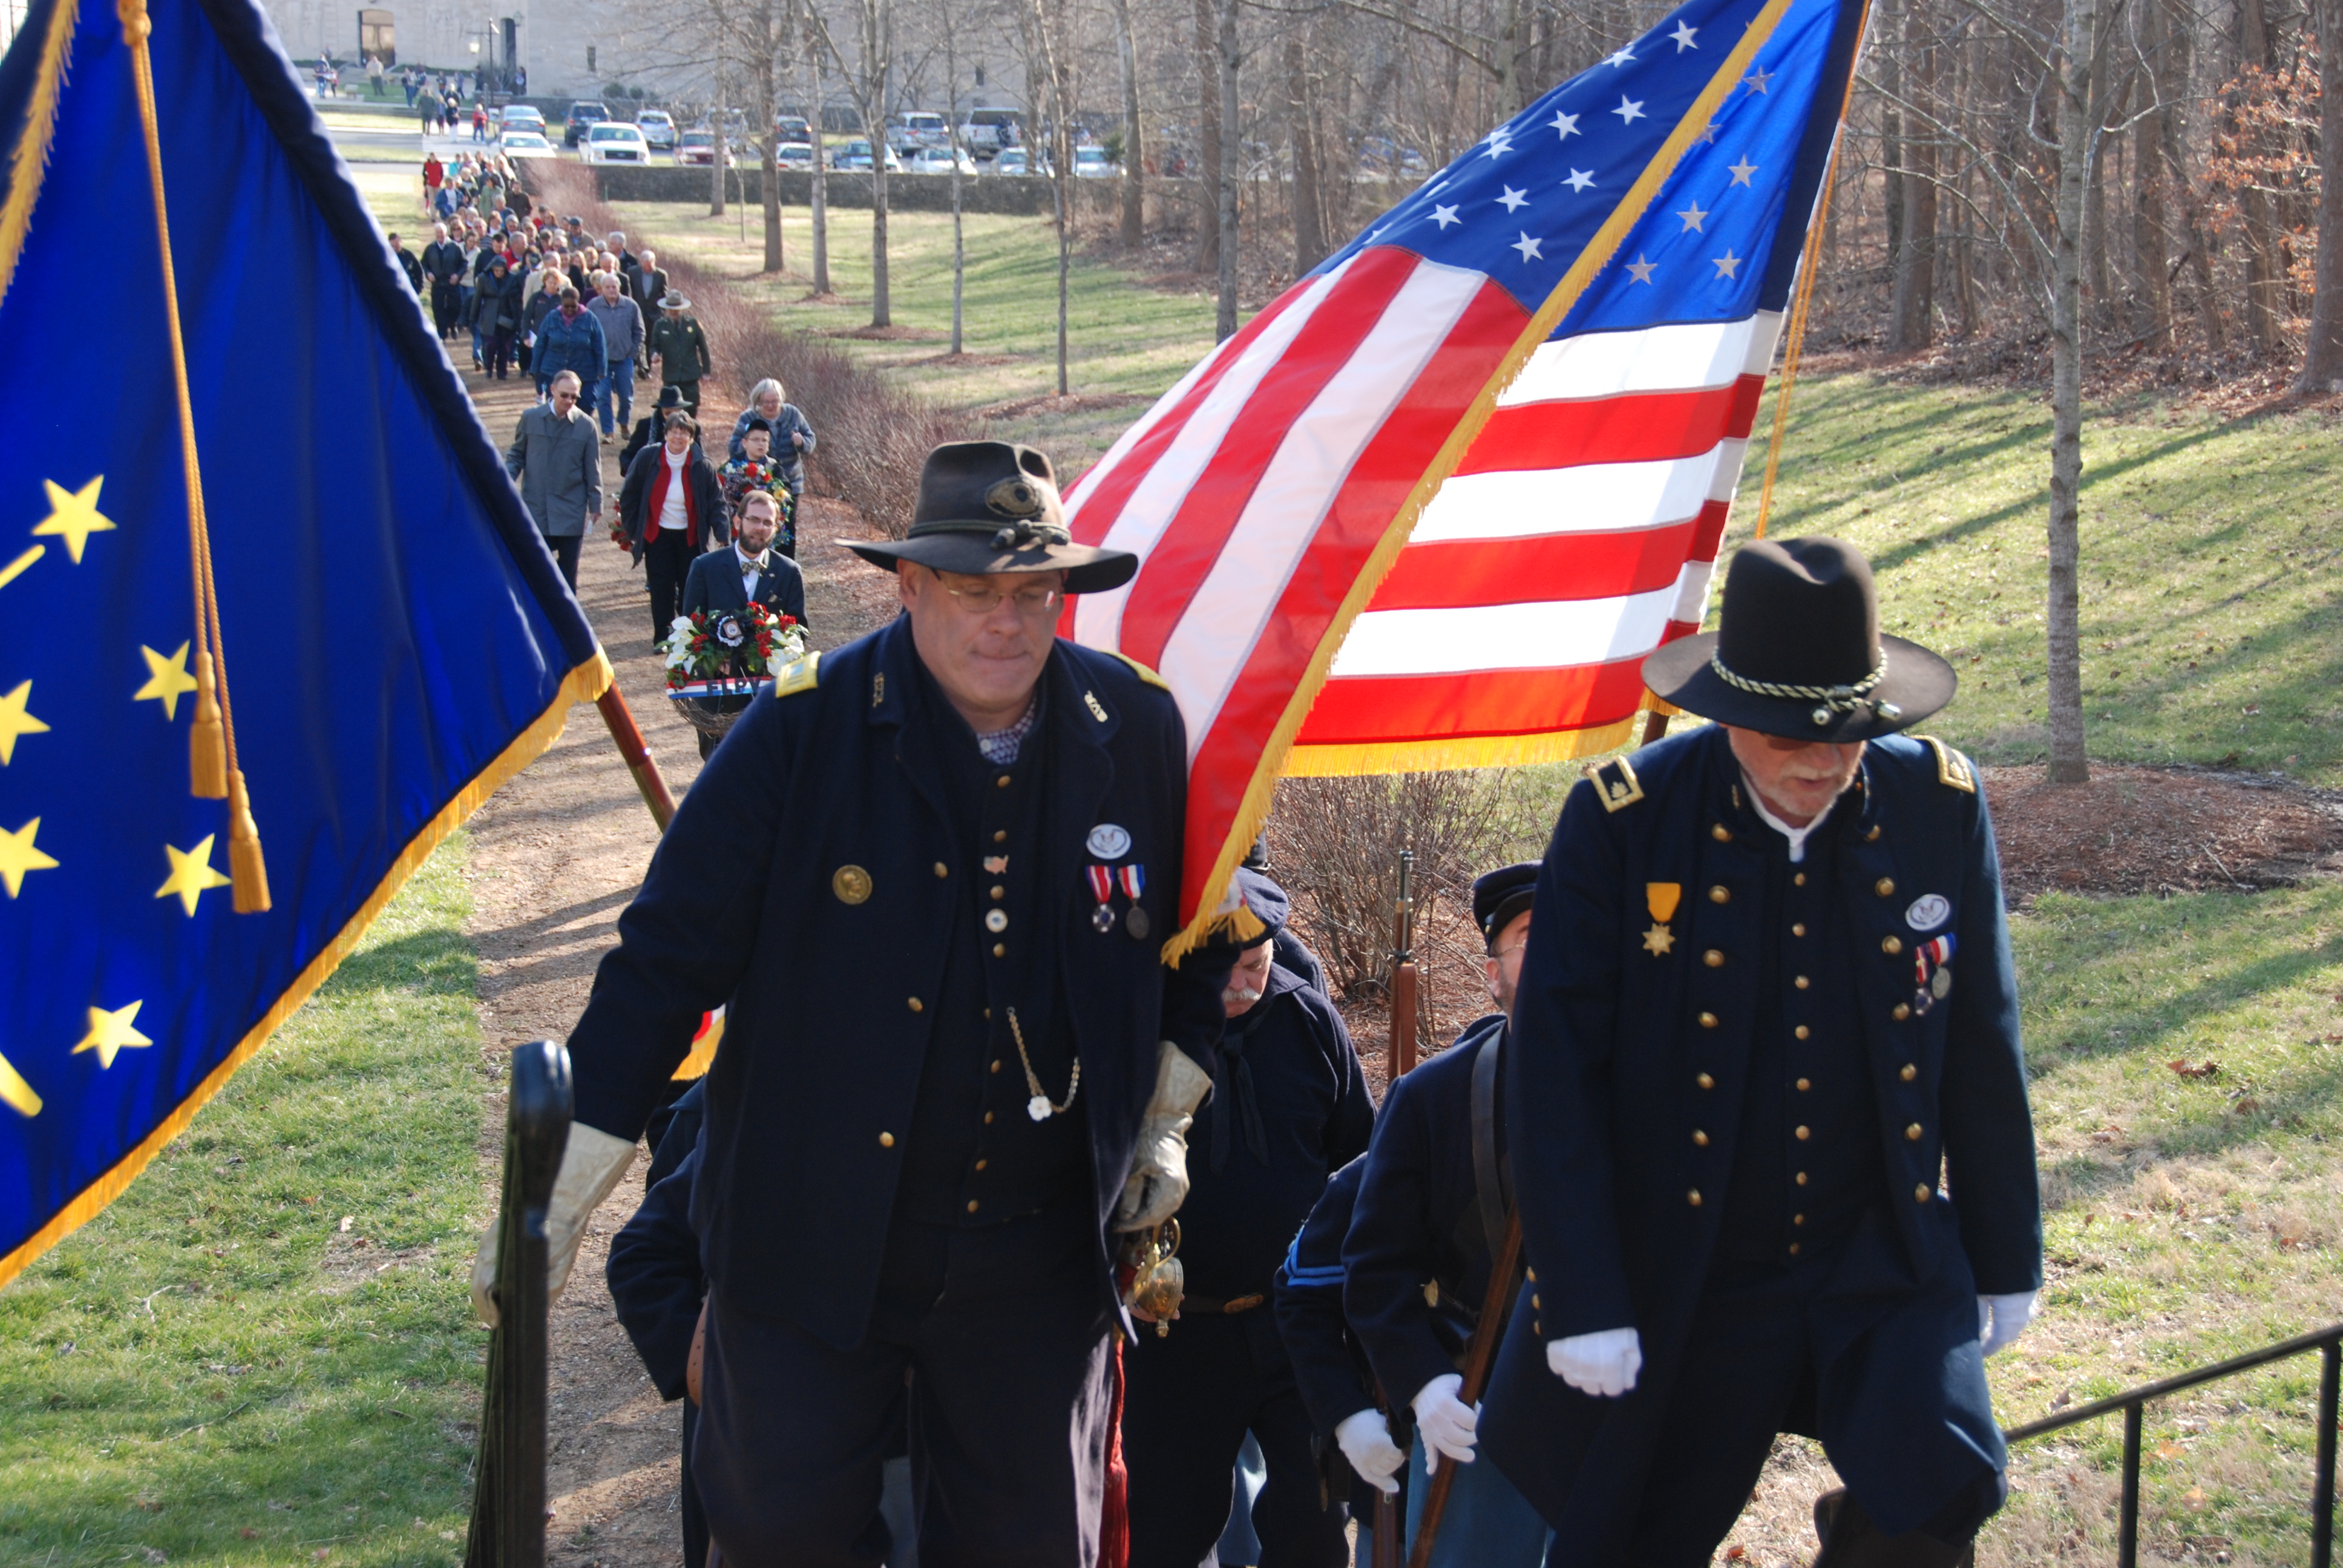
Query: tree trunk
{"points": [[1309, 232], [768, 107], [1134, 158], [878, 55], [1915, 264], [1207, 141], [2322, 352], [1225, 325], [2069, 749], [2261, 243], [722, 160], [2170, 60], [821, 193], [2100, 294], [2148, 228], [1891, 137], [951, 140]]}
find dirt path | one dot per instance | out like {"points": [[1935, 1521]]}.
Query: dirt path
{"points": [[555, 855]]}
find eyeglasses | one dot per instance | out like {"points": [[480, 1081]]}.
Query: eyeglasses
{"points": [[1034, 602]]}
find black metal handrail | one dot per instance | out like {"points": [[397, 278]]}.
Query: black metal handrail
{"points": [[509, 1491], [2328, 1340]]}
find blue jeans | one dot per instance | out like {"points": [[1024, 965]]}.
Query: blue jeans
{"points": [[1487, 1523], [618, 390]]}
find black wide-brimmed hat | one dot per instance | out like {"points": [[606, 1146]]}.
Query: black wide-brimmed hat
{"points": [[1799, 653], [989, 507]]}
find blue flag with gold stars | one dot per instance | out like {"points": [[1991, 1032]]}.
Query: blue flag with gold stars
{"points": [[272, 618]]}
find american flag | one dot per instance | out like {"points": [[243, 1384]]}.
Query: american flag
{"points": [[1434, 506]]}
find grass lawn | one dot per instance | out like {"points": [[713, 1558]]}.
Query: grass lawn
{"points": [[2211, 625], [1127, 341], [265, 1350]]}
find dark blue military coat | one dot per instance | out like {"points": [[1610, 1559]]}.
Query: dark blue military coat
{"points": [[808, 882], [1416, 1257], [1626, 1073]]}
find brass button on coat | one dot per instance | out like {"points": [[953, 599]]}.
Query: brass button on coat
{"points": [[1885, 887], [1802, 1031], [1902, 1011], [850, 883], [1693, 1197], [1802, 982], [1801, 1178], [971, 1205], [1920, 1193], [1000, 836], [1720, 833], [1909, 1072], [999, 950], [1700, 1137], [1803, 1133], [1797, 927], [982, 1163], [1002, 782], [1720, 894], [1794, 1248], [1705, 1081], [1805, 1084], [917, 1006], [1872, 837], [996, 1065], [1797, 878], [999, 892], [1891, 946], [1713, 959], [1708, 1021], [1798, 1219], [886, 1141], [942, 870], [1912, 1134]]}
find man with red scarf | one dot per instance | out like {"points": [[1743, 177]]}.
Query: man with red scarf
{"points": [[670, 508]]}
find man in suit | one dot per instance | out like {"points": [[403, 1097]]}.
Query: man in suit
{"points": [[559, 463], [443, 266], [750, 570], [1767, 1108], [952, 1069]]}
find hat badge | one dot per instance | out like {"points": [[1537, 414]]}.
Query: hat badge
{"points": [[1017, 497]]}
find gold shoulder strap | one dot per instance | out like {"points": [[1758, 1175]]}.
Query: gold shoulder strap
{"points": [[1615, 783]]}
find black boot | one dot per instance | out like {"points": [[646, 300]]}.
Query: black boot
{"points": [[1850, 1540]]}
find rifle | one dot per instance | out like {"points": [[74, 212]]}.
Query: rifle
{"points": [[507, 1527], [1403, 994], [1504, 1283]]}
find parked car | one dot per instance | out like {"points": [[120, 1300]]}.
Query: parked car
{"points": [[918, 128], [582, 114], [519, 118], [936, 161], [615, 142], [526, 144], [794, 156], [1091, 163], [855, 157], [1015, 161], [659, 128], [695, 147], [793, 128], [990, 130]]}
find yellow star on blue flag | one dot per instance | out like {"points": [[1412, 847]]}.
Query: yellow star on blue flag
{"points": [[359, 602]]}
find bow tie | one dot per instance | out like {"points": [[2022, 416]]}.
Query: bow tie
{"points": [[752, 563]]}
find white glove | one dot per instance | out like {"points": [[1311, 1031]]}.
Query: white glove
{"points": [[591, 1163], [1159, 1170], [1446, 1423], [1365, 1441], [2001, 1319], [1604, 1365]]}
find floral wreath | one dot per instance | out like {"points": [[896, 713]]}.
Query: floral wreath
{"points": [[748, 644]]}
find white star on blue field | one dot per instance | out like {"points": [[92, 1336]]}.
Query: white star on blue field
{"points": [[1521, 204]]}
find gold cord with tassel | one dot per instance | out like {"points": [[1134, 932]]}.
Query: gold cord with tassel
{"points": [[212, 765]]}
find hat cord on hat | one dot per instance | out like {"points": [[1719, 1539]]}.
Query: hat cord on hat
{"points": [[1836, 699]]}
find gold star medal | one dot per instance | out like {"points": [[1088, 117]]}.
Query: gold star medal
{"points": [[1661, 899]]}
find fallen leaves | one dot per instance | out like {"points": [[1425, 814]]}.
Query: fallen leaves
{"points": [[2186, 1069]]}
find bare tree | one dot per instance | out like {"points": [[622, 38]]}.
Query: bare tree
{"points": [[1224, 322], [816, 100], [866, 76], [1134, 171], [2322, 357]]}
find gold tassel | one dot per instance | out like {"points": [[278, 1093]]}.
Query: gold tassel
{"points": [[245, 868], [207, 739]]}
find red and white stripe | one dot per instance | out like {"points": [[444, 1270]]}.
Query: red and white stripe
{"points": [[1578, 533], [1575, 536]]}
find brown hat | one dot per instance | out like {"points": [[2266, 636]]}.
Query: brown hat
{"points": [[989, 507], [1799, 652]]}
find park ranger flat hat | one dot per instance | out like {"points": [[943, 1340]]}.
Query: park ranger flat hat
{"points": [[989, 507], [1798, 652]]}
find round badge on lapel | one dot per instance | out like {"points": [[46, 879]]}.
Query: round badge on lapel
{"points": [[850, 883], [1109, 843], [1928, 912]]}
